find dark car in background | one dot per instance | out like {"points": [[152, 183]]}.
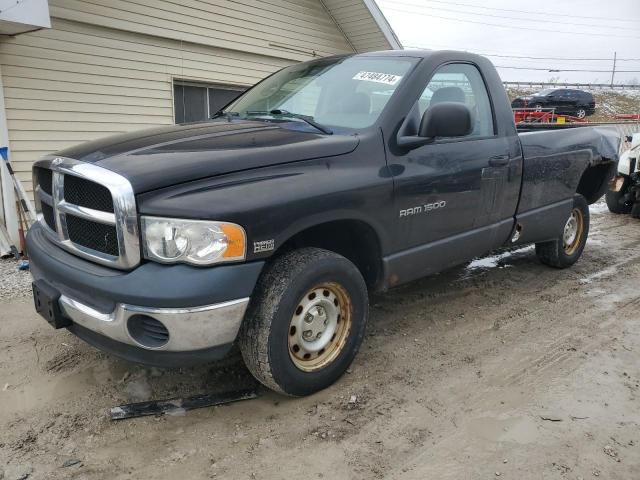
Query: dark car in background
{"points": [[564, 100]]}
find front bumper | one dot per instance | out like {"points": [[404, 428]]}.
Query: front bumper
{"points": [[201, 308], [189, 328]]}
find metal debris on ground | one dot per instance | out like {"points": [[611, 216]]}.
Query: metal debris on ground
{"points": [[551, 418], [176, 406]]}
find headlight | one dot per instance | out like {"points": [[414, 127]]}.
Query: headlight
{"points": [[199, 242]]}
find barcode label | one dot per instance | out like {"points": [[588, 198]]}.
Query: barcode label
{"points": [[386, 78]]}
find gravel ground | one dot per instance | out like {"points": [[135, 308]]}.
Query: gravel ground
{"points": [[14, 283], [502, 368]]}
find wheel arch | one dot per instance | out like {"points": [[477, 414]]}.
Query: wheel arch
{"points": [[352, 238], [595, 179]]}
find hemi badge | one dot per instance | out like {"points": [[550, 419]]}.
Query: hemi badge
{"points": [[264, 246]]}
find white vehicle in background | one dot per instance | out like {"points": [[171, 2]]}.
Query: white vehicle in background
{"points": [[623, 195]]}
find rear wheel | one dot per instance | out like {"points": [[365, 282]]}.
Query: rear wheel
{"points": [[568, 247], [615, 200], [305, 322]]}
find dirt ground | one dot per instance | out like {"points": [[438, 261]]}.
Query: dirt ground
{"points": [[502, 368]]}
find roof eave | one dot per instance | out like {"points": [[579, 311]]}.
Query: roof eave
{"points": [[383, 24]]}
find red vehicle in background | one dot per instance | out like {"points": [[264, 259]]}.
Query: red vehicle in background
{"points": [[634, 117], [543, 115]]}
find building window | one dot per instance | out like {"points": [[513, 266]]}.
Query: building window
{"points": [[196, 102]]}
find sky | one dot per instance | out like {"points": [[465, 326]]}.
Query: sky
{"points": [[569, 34]]}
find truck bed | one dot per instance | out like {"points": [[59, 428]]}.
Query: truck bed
{"points": [[572, 150], [556, 162]]}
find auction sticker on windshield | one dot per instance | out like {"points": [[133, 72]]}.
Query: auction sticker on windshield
{"points": [[386, 78]]}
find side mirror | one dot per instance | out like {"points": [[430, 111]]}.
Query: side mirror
{"points": [[446, 119]]}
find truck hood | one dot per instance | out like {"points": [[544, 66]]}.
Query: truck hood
{"points": [[165, 156]]}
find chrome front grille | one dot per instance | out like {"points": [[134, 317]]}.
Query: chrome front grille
{"points": [[84, 193], [88, 210]]}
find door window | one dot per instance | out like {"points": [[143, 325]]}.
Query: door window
{"points": [[461, 82]]}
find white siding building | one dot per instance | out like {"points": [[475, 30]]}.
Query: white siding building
{"points": [[76, 70]]}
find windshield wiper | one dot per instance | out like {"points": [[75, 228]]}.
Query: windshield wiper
{"points": [[222, 113], [306, 118], [278, 112]]}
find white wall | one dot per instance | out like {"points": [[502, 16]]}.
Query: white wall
{"points": [[8, 215]]}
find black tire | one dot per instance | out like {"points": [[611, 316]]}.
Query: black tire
{"points": [[558, 255], [538, 107], [264, 337], [615, 200], [581, 112]]}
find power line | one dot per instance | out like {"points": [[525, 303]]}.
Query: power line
{"points": [[513, 18], [531, 12], [516, 27], [566, 69], [531, 57], [560, 58], [548, 69]]}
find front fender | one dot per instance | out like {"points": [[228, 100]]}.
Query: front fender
{"points": [[274, 203]]}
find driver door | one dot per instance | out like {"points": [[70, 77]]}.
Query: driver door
{"points": [[448, 192]]}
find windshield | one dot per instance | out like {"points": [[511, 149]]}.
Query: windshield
{"points": [[545, 92], [346, 92]]}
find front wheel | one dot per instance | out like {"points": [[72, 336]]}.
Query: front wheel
{"points": [[565, 250], [305, 322], [581, 112]]}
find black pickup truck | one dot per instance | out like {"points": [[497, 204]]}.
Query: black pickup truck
{"points": [[267, 226]]}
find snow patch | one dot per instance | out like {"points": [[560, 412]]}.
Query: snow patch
{"points": [[598, 208], [493, 261]]}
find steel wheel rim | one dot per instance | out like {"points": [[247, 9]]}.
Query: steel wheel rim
{"points": [[573, 230], [320, 326]]}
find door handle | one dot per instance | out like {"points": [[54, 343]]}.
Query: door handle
{"points": [[498, 160]]}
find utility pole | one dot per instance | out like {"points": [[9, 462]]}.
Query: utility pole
{"points": [[613, 71]]}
